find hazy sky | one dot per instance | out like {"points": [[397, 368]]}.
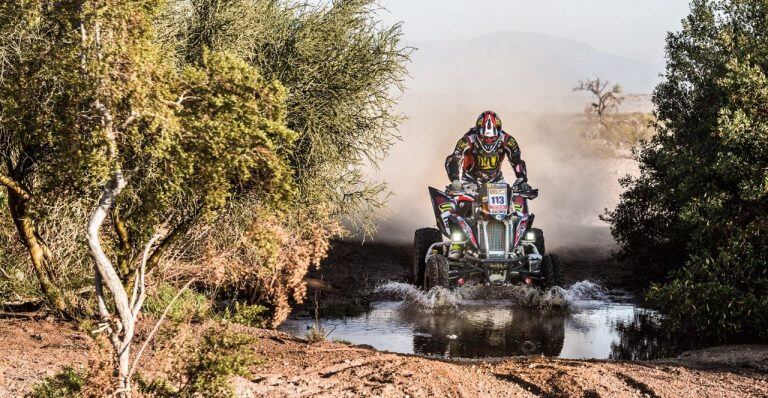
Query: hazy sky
{"points": [[632, 28]]}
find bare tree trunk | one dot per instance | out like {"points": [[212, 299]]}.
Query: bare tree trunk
{"points": [[120, 330], [38, 252], [170, 239], [124, 247], [120, 326]]}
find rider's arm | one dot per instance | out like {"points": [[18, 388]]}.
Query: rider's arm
{"points": [[454, 161], [513, 153]]}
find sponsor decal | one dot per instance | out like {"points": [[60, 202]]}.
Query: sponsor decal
{"points": [[512, 143], [497, 201], [445, 217], [446, 210], [467, 231], [488, 162], [518, 207], [521, 228], [446, 207]]}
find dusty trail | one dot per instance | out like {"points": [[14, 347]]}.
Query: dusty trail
{"points": [[31, 350], [333, 370]]}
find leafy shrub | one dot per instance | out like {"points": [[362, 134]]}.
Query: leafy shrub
{"points": [[60, 224], [205, 370], [315, 335], [68, 383], [246, 314], [629, 128], [342, 341], [342, 69], [190, 306], [617, 135], [252, 252], [283, 106], [697, 215]]}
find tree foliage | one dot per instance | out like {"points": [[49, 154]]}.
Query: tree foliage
{"points": [[342, 71], [93, 109], [217, 136], [697, 215]]}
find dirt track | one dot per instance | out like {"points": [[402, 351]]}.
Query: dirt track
{"points": [[32, 349], [334, 370]]}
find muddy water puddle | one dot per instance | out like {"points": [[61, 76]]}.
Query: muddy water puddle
{"points": [[583, 321]]}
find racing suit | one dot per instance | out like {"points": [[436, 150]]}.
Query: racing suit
{"points": [[473, 164]]}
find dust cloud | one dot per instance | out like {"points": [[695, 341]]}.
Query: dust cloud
{"points": [[529, 84], [575, 186]]}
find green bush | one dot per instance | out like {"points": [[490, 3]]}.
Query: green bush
{"points": [[206, 369], [244, 106], [190, 306], [67, 384], [342, 69], [629, 128], [342, 341], [315, 335], [695, 219], [246, 314]]}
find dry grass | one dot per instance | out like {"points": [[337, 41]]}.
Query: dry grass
{"points": [[315, 335], [251, 251], [62, 228], [617, 135]]}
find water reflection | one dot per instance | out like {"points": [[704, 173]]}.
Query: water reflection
{"points": [[488, 332], [591, 324], [644, 338]]}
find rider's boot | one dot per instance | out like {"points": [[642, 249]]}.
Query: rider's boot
{"points": [[454, 253]]}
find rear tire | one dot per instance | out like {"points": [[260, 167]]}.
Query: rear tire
{"points": [[436, 272], [423, 238], [552, 271]]}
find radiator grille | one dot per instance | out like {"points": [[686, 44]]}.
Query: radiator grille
{"points": [[496, 238]]}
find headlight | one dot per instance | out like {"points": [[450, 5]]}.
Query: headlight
{"points": [[457, 236], [530, 236]]}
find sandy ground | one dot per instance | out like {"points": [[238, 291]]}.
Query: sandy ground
{"points": [[332, 370], [31, 350]]}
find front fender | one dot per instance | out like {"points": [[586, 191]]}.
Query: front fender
{"points": [[443, 205], [457, 223]]}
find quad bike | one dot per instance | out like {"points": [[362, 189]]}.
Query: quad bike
{"points": [[489, 237]]}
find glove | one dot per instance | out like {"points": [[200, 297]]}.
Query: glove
{"points": [[456, 185], [521, 187]]}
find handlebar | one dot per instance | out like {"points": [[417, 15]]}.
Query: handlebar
{"points": [[468, 188], [529, 194]]}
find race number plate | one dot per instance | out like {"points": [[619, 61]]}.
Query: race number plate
{"points": [[497, 201]]}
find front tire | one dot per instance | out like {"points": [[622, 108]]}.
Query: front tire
{"points": [[436, 272], [423, 239], [552, 271]]}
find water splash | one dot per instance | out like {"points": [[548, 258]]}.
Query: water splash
{"points": [[443, 300], [437, 299], [586, 290]]}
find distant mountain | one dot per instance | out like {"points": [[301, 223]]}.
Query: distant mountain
{"points": [[523, 68]]}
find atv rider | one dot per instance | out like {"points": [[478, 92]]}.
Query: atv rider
{"points": [[480, 152], [478, 157]]}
